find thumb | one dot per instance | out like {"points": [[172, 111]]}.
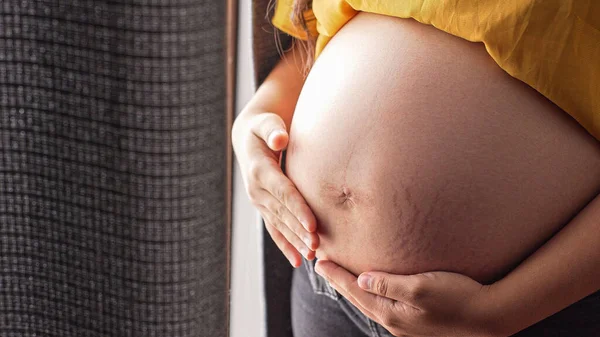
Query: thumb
{"points": [[271, 129], [406, 288], [375, 282]]}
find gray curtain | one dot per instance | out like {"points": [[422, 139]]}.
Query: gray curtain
{"points": [[112, 168]]}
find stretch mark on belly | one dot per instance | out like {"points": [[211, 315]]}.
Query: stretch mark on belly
{"points": [[416, 220]]}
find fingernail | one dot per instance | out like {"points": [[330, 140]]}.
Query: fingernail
{"points": [[307, 240], [304, 252], [304, 224], [364, 281], [274, 134]]}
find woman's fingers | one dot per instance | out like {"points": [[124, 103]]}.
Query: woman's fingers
{"points": [[287, 233], [276, 183], [284, 246], [390, 313], [282, 212], [267, 174], [271, 129], [412, 289], [272, 192], [346, 283], [341, 282]]}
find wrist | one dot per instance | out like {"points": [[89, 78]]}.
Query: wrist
{"points": [[492, 318]]}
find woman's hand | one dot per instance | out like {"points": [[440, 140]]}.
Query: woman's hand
{"points": [[258, 139], [429, 304]]}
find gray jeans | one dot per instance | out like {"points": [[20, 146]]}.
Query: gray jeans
{"points": [[319, 311]]}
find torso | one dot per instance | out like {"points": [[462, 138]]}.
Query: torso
{"points": [[416, 152]]}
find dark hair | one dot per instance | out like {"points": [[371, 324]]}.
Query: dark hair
{"points": [[308, 45]]}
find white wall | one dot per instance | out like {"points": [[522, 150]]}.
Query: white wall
{"points": [[247, 306]]}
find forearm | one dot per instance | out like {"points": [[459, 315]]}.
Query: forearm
{"points": [[279, 92], [561, 272]]}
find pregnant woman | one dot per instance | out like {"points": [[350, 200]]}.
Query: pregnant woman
{"points": [[445, 151]]}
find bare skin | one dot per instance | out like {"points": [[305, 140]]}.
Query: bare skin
{"points": [[416, 152], [451, 110], [258, 136]]}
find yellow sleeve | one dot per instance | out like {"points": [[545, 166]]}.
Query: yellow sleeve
{"points": [[282, 19]]}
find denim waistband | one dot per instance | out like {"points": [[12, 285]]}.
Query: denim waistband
{"points": [[322, 287], [318, 283]]}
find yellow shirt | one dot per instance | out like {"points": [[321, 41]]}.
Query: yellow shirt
{"points": [[552, 45]]}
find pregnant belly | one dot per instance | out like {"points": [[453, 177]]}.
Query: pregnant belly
{"points": [[416, 152]]}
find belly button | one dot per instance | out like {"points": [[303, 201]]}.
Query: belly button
{"points": [[346, 197]]}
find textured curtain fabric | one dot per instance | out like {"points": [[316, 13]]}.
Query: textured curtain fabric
{"points": [[112, 168], [277, 270]]}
